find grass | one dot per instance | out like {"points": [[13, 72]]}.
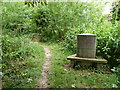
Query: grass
{"points": [[25, 73], [66, 77]]}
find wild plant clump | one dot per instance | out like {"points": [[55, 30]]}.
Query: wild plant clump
{"points": [[15, 48], [58, 21], [64, 22]]}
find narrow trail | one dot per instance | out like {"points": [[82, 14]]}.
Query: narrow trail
{"points": [[43, 82]]}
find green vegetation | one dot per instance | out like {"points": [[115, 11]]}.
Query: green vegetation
{"points": [[16, 18], [65, 22], [56, 22], [21, 60], [23, 71], [116, 11], [62, 76]]}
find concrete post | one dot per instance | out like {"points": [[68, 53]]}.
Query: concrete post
{"points": [[86, 45]]}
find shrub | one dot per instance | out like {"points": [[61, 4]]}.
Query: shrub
{"points": [[64, 23], [14, 48], [109, 46], [53, 23], [16, 17]]}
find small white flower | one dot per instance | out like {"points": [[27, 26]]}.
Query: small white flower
{"points": [[114, 86], [65, 70], [23, 74], [73, 85], [29, 80]]}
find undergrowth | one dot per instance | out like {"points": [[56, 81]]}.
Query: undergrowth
{"points": [[23, 71], [64, 22], [59, 22], [63, 76]]}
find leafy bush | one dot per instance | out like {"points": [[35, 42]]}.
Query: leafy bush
{"points": [[16, 17], [108, 43], [15, 48], [54, 23], [64, 23], [109, 46], [14, 53]]}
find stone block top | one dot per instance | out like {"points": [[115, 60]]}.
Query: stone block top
{"points": [[87, 34]]}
